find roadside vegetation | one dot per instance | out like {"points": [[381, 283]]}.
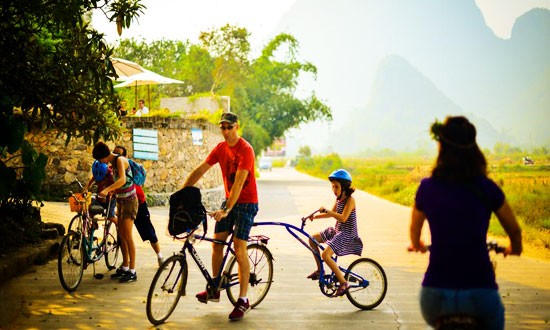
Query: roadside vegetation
{"points": [[396, 177]]}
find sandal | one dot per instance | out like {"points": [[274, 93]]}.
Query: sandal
{"points": [[315, 275], [341, 290]]}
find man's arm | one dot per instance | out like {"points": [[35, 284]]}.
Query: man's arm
{"points": [[240, 178], [196, 174]]}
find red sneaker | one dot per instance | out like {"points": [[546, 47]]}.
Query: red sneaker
{"points": [[240, 309], [203, 297]]}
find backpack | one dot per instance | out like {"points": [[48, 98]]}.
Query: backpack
{"points": [[138, 172], [186, 211]]}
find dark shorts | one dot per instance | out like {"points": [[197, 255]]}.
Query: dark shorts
{"points": [[143, 224], [239, 220]]}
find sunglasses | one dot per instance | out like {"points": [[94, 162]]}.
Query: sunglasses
{"points": [[228, 127]]}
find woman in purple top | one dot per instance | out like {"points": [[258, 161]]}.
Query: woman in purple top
{"points": [[457, 200]]}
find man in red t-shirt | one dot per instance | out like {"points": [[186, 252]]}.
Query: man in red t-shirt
{"points": [[236, 158]]}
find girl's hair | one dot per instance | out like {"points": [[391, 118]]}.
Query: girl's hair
{"points": [[101, 150], [124, 152], [460, 158], [346, 186]]}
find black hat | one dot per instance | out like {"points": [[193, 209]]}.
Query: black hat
{"points": [[228, 117]]}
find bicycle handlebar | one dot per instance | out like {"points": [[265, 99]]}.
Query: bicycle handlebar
{"points": [[491, 246]]}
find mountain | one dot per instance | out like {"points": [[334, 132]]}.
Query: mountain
{"points": [[504, 82], [402, 106]]}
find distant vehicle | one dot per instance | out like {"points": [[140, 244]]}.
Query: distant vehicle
{"points": [[528, 161], [265, 164]]}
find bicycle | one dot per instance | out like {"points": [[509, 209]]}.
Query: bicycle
{"points": [[367, 279], [459, 321], [170, 280], [80, 247]]}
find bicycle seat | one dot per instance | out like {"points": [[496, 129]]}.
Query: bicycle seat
{"points": [[95, 209]]}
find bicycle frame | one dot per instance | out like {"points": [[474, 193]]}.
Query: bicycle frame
{"points": [[324, 280], [87, 232], [215, 283]]}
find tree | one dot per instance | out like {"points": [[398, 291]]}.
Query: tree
{"points": [[304, 152], [56, 69], [270, 91], [230, 49], [56, 73], [175, 59], [261, 89]]}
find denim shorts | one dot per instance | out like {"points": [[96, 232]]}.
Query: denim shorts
{"points": [[239, 220], [483, 304]]}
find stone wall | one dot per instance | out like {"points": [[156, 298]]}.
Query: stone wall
{"points": [[177, 158]]}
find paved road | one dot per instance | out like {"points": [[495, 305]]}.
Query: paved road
{"points": [[293, 301]]}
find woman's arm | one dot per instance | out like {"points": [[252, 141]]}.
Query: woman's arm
{"points": [[415, 229], [122, 165], [511, 227]]}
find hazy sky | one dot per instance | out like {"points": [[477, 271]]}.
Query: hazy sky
{"points": [[185, 19]]}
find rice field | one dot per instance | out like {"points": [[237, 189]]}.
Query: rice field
{"points": [[527, 187]]}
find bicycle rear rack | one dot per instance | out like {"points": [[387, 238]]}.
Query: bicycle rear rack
{"points": [[259, 239]]}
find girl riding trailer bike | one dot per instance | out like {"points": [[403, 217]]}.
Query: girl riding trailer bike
{"points": [[457, 201], [342, 239]]}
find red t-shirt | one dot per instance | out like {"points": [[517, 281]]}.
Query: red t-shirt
{"points": [[231, 159], [140, 194]]}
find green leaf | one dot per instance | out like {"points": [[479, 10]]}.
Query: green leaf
{"points": [[28, 154]]}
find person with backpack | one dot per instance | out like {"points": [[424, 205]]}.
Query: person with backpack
{"points": [[102, 176], [236, 214], [143, 218], [127, 206]]}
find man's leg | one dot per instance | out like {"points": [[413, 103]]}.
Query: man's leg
{"points": [[217, 252], [244, 265]]}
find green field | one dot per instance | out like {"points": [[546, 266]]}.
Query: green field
{"points": [[527, 188]]}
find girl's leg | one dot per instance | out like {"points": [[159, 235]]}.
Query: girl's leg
{"points": [[125, 225], [315, 248], [327, 254]]}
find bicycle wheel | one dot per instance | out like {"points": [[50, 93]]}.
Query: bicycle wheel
{"points": [[261, 275], [70, 262], [166, 289], [368, 283], [113, 256], [75, 224]]}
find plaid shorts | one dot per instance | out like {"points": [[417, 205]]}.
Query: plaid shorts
{"points": [[239, 220]]}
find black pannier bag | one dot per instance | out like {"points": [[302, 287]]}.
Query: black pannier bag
{"points": [[186, 211]]}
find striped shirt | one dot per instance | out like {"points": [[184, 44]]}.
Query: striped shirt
{"points": [[343, 238], [128, 190]]}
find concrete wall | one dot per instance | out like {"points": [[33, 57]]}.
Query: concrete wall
{"points": [[177, 158]]}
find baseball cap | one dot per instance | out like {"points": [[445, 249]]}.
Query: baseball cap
{"points": [[228, 117]]}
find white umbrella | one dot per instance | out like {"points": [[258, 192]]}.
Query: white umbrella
{"points": [[125, 69], [147, 78]]}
